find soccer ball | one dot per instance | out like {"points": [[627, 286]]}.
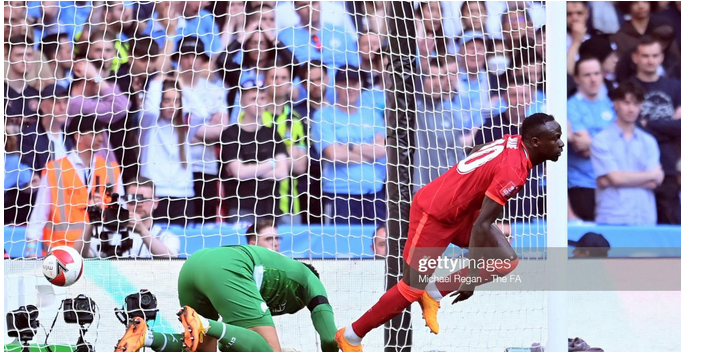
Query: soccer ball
{"points": [[62, 266]]}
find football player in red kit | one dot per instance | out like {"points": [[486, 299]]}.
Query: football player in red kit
{"points": [[461, 207]]}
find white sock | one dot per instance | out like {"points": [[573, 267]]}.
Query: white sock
{"points": [[351, 337], [433, 292], [149, 338]]}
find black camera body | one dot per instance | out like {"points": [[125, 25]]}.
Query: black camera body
{"points": [[79, 310], [113, 222], [22, 323], [142, 304]]}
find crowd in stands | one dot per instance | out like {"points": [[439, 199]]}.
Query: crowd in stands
{"points": [[266, 112]]}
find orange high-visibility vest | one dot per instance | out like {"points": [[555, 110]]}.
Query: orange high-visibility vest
{"points": [[70, 198]]}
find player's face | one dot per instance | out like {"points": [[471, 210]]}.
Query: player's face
{"points": [[269, 238], [550, 142]]}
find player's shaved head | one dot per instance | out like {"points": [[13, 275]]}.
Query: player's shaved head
{"points": [[541, 135], [535, 125]]}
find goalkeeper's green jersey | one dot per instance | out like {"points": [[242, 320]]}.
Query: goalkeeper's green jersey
{"points": [[286, 284]]}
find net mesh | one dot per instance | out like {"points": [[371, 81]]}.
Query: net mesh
{"points": [[241, 113]]}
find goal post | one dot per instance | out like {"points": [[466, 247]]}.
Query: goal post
{"points": [[557, 178], [400, 117]]}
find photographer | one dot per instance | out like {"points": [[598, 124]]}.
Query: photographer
{"points": [[69, 186], [141, 239]]}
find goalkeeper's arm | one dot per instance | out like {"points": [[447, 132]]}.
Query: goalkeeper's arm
{"points": [[323, 319]]}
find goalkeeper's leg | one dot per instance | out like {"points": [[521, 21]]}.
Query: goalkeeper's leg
{"points": [[231, 338]]}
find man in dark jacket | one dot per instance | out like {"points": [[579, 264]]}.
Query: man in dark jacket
{"points": [[47, 140]]}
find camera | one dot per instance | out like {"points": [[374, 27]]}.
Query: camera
{"points": [[22, 323], [113, 223], [79, 310], [142, 304]]}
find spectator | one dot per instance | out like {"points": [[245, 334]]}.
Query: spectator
{"points": [[517, 27], [578, 30], [189, 18], [600, 48], [46, 141], [589, 112], [263, 233], [332, 13], [144, 239], [661, 117], [590, 245], [292, 130], [370, 46], [133, 76], [474, 15], [203, 97], [165, 152], [69, 185], [626, 164], [93, 92], [672, 15], [52, 17], [313, 38], [369, 16], [21, 94], [530, 201], [18, 176], [231, 16], [249, 61], [540, 43], [16, 20], [379, 242], [254, 161], [670, 66], [474, 92], [314, 77], [57, 49], [351, 139], [441, 140], [604, 16], [640, 24], [429, 15]]}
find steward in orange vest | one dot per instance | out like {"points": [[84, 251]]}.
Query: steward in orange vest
{"points": [[69, 186]]}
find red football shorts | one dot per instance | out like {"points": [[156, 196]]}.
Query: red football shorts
{"points": [[429, 238]]}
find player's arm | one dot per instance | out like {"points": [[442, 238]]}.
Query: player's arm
{"points": [[488, 242], [323, 317]]}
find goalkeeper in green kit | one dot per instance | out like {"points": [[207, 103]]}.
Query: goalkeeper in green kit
{"points": [[246, 286]]}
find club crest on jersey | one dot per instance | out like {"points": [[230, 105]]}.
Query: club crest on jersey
{"points": [[509, 189]]}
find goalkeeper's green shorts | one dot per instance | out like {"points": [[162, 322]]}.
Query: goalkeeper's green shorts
{"points": [[219, 282]]}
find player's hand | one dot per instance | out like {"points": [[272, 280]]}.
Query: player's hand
{"points": [[462, 294]]}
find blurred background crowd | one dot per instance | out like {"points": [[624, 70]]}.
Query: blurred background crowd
{"points": [[201, 111]]}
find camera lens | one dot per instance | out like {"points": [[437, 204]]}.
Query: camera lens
{"points": [[82, 305], [145, 300]]}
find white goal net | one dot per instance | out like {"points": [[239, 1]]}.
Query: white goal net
{"points": [[211, 119]]}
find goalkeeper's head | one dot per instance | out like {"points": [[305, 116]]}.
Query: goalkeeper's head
{"points": [[312, 269], [263, 233]]}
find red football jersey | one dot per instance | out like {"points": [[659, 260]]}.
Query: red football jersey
{"points": [[498, 170]]}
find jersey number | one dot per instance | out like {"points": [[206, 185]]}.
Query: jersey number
{"points": [[480, 157]]}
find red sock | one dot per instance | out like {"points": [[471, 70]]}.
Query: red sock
{"points": [[390, 304]]}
